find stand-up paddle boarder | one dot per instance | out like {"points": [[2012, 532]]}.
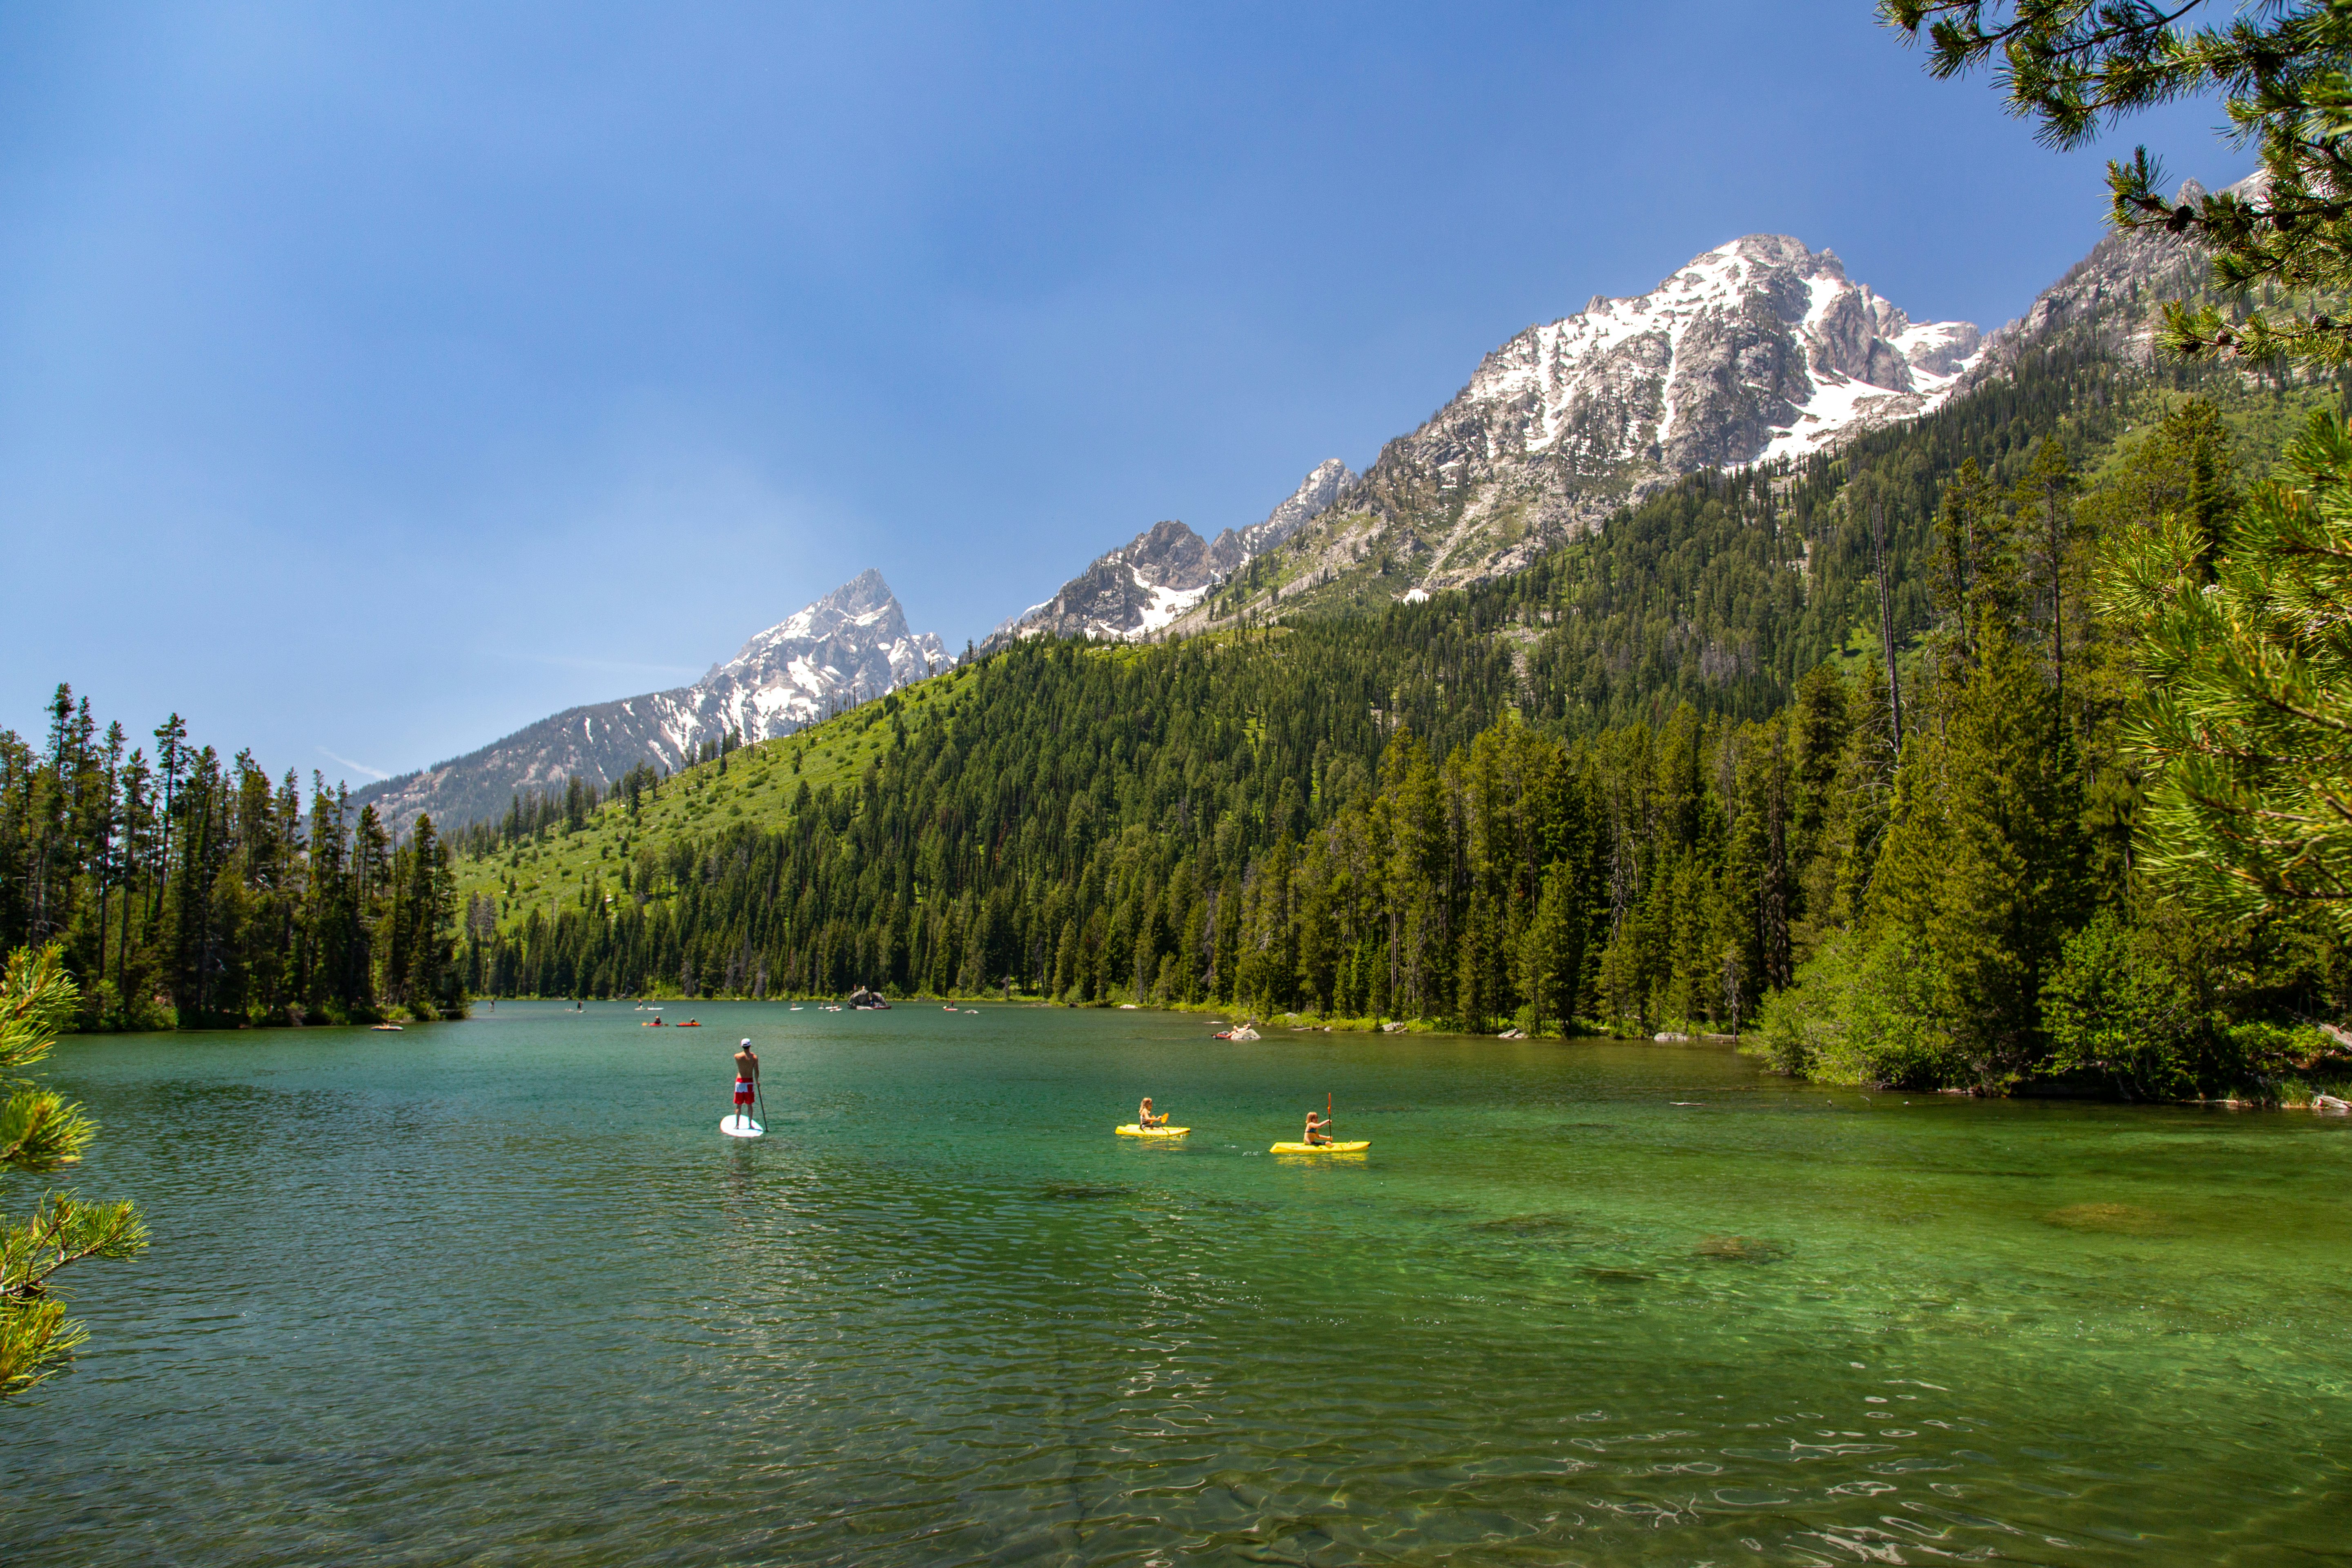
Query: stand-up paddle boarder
{"points": [[746, 1077]]}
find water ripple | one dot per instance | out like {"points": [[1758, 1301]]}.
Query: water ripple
{"points": [[499, 1298]]}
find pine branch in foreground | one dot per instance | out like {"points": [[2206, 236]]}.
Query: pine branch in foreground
{"points": [[40, 1131], [2246, 717]]}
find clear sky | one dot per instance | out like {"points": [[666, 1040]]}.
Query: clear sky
{"points": [[376, 379]]}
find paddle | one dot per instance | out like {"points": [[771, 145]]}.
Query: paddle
{"points": [[761, 1089]]}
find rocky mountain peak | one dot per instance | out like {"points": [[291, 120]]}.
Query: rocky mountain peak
{"points": [[1147, 585], [849, 647], [1323, 485], [2113, 295], [862, 599], [1759, 348], [863, 608]]}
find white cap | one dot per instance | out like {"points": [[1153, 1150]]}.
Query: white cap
{"points": [[747, 1039]]}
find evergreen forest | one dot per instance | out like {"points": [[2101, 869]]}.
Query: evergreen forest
{"points": [[1666, 781], [1998, 747], [183, 889]]}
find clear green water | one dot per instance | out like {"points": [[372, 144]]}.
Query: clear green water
{"points": [[499, 1292]]}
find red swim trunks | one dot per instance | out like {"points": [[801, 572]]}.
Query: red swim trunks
{"points": [[742, 1091]]}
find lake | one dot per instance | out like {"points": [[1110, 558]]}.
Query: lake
{"points": [[500, 1292]]}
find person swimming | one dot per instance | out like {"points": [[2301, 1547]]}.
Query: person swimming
{"points": [[1145, 1120], [1318, 1130]]}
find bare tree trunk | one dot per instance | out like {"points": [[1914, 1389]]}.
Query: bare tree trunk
{"points": [[2056, 544], [1886, 619], [1777, 967]]}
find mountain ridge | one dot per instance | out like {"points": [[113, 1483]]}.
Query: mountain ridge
{"points": [[1758, 348], [848, 646], [1704, 605], [1145, 586]]}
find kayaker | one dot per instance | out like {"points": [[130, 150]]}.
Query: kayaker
{"points": [[1145, 1120], [1319, 1128], [746, 1077]]}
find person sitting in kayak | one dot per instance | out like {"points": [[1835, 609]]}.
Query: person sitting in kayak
{"points": [[746, 1077], [1318, 1130], [1145, 1121]]}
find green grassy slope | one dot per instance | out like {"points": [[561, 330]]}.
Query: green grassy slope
{"points": [[757, 785]]}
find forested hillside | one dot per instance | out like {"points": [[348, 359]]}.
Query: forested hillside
{"points": [[1640, 785], [1662, 779], [195, 891]]}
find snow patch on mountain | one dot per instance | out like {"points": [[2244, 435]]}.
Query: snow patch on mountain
{"points": [[1160, 576], [1761, 322], [1164, 605], [1758, 348], [849, 647]]}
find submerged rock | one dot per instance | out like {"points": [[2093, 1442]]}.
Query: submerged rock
{"points": [[2121, 1219], [1081, 1193]]}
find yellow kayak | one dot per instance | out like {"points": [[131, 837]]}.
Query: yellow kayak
{"points": [[1320, 1148], [1132, 1131]]}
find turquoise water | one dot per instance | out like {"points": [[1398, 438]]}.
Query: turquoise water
{"points": [[499, 1292]]}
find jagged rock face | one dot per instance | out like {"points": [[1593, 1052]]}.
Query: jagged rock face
{"points": [[1759, 348], [850, 645], [1130, 593], [2115, 294], [1234, 548], [1149, 583], [1756, 348]]}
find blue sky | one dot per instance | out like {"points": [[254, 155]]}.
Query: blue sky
{"points": [[374, 380]]}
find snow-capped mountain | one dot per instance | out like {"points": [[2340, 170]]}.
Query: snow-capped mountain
{"points": [[851, 645], [1324, 484], [1755, 349], [1145, 586], [847, 648], [1759, 348]]}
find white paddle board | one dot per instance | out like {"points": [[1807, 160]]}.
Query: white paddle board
{"points": [[740, 1127]]}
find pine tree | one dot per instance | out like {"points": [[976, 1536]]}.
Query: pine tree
{"points": [[2245, 717], [1552, 950], [41, 1132], [171, 756], [2080, 66], [1980, 873]]}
